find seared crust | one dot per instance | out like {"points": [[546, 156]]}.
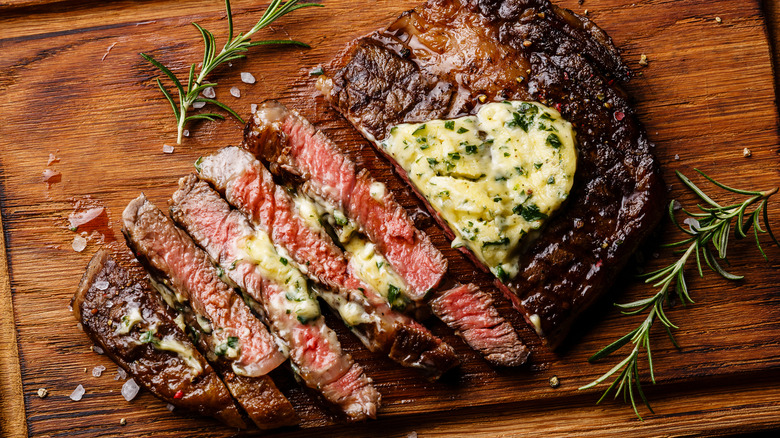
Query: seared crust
{"points": [[101, 310], [521, 50]]}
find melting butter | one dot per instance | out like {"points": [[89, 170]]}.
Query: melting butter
{"points": [[494, 177], [276, 265]]}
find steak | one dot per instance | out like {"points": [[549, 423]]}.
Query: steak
{"points": [[115, 305], [249, 187], [446, 57], [237, 343], [292, 148], [313, 347], [470, 312]]}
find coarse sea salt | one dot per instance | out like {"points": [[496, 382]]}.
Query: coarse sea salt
{"points": [[77, 393], [120, 373], [168, 149], [101, 285], [247, 78], [97, 349], [209, 92], [253, 107], [130, 389], [198, 105], [79, 244], [235, 92], [692, 223], [98, 371], [170, 407]]}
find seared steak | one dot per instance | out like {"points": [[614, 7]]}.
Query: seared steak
{"points": [[443, 58], [470, 312], [116, 305], [313, 347], [249, 187], [293, 148], [237, 343]]}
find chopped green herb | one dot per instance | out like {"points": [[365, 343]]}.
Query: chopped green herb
{"points": [[379, 265], [551, 180], [393, 130], [538, 165], [433, 161], [419, 130], [198, 162], [529, 212], [462, 130], [554, 141], [499, 242], [501, 274], [471, 149], [392, 293], [547, 116], [147, 337], [283, 260], [317, 71], [454, 156], [506, 154], [449, 124]]}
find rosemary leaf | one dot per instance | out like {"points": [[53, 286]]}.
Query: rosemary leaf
{"points": [[711, 239], [234, 48]]}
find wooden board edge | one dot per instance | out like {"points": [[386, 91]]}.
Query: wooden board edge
{"points": [[12, 414]]}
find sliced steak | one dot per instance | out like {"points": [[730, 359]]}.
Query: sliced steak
{"points": [[313, 347], [437, 60], [293, 148], [116, 305], [238, 344], [249, 187], [470, 312]]}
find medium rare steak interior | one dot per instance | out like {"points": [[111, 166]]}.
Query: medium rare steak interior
{"points": [[447, 58]]}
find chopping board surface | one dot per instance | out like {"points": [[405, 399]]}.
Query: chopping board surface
{"points": [[73, 85]]}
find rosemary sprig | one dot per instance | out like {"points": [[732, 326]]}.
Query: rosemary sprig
{"points": [[233, 49], [708, 237]]}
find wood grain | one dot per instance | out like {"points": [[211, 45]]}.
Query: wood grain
{"points": [[703, 98]]}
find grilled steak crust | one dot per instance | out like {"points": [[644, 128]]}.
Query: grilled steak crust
{"points": [[470, 312], [436, 60], [292, 148], [173, 258], [314, 347], [248, 186], [104, 310]]}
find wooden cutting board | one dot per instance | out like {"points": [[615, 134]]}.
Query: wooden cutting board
{"points": [[72, 84]]}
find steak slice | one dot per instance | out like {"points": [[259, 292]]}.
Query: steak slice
{"points": [[443, 58], [313, 347], [293, 148], [249, 187], [470, 312], [115, 305], [237, 343]]}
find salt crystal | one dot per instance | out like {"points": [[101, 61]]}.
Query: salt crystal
{"points": [[412, 434], [209, 92], [746, 152], [52, 159], [235, 92], [247, 78], [49, 174], [79, 244], [692, 223], [130, 390], [170, 407], [80, 218], [253, 107], [43, 392], [198, 105], [186, 132], [120, 373], [77, 393], [98, 350], [101, 285], [676, 205], [168, 149], [676, 156], [98, 371]]}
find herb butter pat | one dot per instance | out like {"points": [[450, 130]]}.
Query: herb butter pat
{"points": [[494, 177]]}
